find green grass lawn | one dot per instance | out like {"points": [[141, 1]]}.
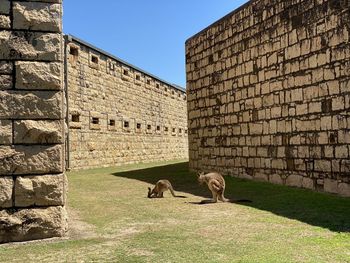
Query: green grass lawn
{"points": [[114, 221]]}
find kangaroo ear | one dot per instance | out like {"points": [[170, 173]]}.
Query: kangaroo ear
{"points": [[149, 188], [199, 174]]}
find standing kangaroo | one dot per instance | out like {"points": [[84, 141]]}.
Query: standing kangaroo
{"points": [[216, 184], [160, 187]]}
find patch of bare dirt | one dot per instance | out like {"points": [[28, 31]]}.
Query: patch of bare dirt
{"points": [[78, 229]]}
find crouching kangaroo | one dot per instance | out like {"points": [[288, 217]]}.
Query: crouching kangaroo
{"points": [[216, 184], [160, 187]]}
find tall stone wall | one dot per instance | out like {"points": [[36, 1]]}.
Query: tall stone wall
{"points": [[32, 180], [120, 114], [269, 94]]}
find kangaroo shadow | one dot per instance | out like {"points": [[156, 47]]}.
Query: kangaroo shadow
{"points": [[314, 208]]}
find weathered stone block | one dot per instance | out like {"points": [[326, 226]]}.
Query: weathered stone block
{"points": [[38, 132], [5, 22], [5, 67], [5, 82], [38, 75], [294, 180], [323, 166], [344, 189], [307, 183], [31, 224], [31, 160], [5, 7], [275, 179], [6, 187], [331, 186], [30, 105], [261, 177], [30, 46], [42, 190], [37, 16], [5, 132]]}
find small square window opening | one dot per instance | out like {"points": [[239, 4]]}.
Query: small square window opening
{"points": [[94, 59], [95, 120], [75, 118]]}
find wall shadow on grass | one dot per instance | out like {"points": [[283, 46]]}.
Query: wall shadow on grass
{"points": [[318, 209]]}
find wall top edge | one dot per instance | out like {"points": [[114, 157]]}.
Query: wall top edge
{"points": [[220, 20], [70, 38]]}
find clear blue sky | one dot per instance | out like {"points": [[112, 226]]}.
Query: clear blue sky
{"points": [[149, 34]]}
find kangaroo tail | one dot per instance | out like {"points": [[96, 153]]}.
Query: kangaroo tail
{"points": [[171, 189], [180, 196], [241, 201]]}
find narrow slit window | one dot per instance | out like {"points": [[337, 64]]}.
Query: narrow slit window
{"points": [[94, 59], [95, 120], [138, 126], [158, 128], [126, 124], [111, 66], [174, 130], [75, 118], [149, 127], [186, 131], [180, 130], [157, 86], [138, 77], [148, 82], [125, 72], [112, 123], [166, 129]]}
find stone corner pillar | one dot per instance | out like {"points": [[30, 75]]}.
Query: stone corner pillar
{"points": [[32, 180]]}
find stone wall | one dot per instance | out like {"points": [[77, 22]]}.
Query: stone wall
{"points": [[120, 114], [269, 94], [32, 180]]}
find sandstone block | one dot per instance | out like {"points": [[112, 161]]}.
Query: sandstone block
{"points": [[323, 166], [38, 75], [38, 132], [31, 224], [42, 190], [330, 186], [294, 180], [37, 16], [5, 82], [275, 179], [261, 177], [5, 67], [5, 132], [6, 187], [31, 160], [30, 46], [30, 105], [307, 183], [344, 189], [5, 22], [5, 7]]}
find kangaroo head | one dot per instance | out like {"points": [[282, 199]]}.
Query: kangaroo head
{"points": [[200, 177], [149, 195]]}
